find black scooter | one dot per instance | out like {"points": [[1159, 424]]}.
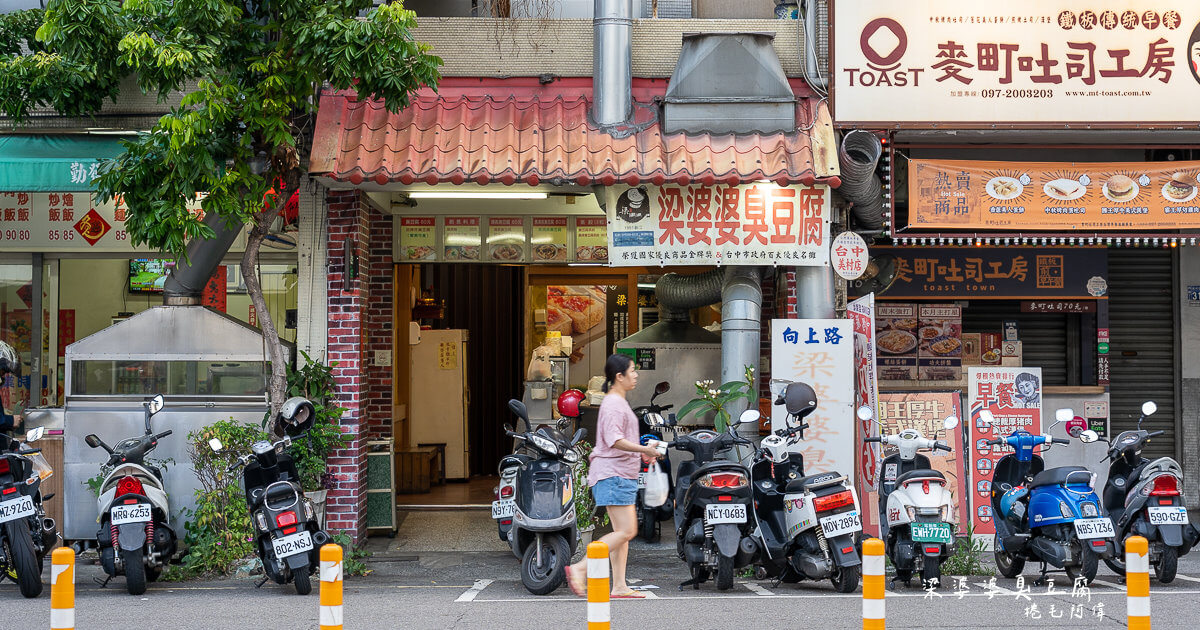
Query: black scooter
{"points": [[712, 506], [1143, 498], [650, 427], [288, 537], [26, 534], [544, 533]]}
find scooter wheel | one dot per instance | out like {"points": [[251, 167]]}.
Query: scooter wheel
{"points": [[303, 584], [544, 579], [1008, 565], [724, 573], [135, 571], [24, 559], [1088, 564], [845, 579], [1168, 565]]}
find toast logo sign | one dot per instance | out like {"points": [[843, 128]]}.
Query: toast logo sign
{"points": [[883, 42], [92, 227], [633, 205]]}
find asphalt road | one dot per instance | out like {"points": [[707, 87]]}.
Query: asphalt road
{"points": [[482, 590]]}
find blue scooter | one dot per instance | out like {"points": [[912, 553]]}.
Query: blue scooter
{"points": [[1050, 516]]}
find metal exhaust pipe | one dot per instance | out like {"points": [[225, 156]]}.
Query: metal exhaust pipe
{"points": [[612, 61]]}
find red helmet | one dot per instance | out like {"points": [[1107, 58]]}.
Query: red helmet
{"points": [[568, 403]]}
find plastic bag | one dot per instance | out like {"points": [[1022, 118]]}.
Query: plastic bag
{"points": [[657, 486]]}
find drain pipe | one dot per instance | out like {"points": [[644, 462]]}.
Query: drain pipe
{"points": [[858, 155], [185, 284], [612, 61], [812, 71], [741, 333]]}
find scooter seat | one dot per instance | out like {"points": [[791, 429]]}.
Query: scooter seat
{"points": [[920, 475], [812, 481], [1058, 476]]}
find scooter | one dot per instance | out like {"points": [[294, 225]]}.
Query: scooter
{"points": [[807, 526], [288, 537], [135, 536], [1143, 498], [713, 506], [1052, 516], [916, 509], [651, 427], [26, 534], [544, 533]]}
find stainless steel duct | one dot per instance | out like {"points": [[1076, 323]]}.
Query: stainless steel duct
{"points": [[186, 282], [814, 293], [679, 294], [812, 70], [857, 156], [612, 61], [741, 330]]}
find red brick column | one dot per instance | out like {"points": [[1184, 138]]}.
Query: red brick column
{"points": [[379, 328]]}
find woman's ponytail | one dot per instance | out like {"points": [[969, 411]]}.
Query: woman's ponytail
{"points": [[616, 364]]}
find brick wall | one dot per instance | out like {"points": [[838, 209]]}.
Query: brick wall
{"points": [[379, 327], [779, 302]]}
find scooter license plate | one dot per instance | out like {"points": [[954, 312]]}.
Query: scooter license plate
{"points": [[932, 533], [1094, 528], [293, 544], [1167, 515], [839, 524], [19, 508], [715, 514], [504, 509], [133, 513]]}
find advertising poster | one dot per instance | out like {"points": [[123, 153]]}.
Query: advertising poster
{"points": [[757, 224], [939, 352], [506, 239], [462, 238], [896, 339], [549, 239], [866, 387], [418, 238], [1014, 396], [1054, 195], [819, 352], [64, 221], [924, 411], [591, 239]]}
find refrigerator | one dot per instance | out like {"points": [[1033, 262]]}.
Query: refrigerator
{"points": [[439, 396]]}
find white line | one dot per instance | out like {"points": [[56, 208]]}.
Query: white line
{"points": [[470, 594], [758, 589], [1184, 577], [1108, 584], [856, 596], [645, 591]]}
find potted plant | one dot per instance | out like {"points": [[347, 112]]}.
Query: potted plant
{"points": [[314, 381], [585, 505]]}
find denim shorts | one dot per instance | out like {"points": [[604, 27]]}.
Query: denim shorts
{"points": [[615, 491]]}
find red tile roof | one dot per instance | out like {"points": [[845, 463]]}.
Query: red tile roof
{"points": [[517, 130]]}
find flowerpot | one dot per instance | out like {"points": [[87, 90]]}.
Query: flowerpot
{"points": [[585, 537], [318, 500]]}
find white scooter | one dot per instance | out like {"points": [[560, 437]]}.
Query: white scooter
{"points": [[916, 508]]}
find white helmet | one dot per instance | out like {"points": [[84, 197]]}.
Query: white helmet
{"points": [[10, 362], [775, 448]]}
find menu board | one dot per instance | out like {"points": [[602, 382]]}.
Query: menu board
{"points": [[896, 339], [549, 239], [418, 238], [591, 239], [939, 353], [461, 237], [506, 239]]}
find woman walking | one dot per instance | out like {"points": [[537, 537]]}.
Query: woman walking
{"points": [[613, 474]]}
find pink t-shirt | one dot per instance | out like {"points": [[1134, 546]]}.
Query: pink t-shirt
{"points": [[616, 421]]}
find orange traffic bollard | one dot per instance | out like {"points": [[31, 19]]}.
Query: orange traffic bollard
{"points": [[331, 587], [873, 575], [598, 613], [1137, 583], [62, 589]]}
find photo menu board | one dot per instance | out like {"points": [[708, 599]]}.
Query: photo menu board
{"points": [[501, 239]]}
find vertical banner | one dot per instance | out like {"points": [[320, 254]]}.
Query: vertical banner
{"points": [[939, 354], [896, 339], [1014, 396], [925, 412], [819, 352], [866, 389]]}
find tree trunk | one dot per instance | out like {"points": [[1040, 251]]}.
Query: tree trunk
{"points": [[260, 227]]}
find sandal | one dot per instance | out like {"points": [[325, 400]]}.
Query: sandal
{"points": [[630, 595], [571, 584]]}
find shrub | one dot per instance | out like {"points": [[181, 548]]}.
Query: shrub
{"points": [[314, 381]]}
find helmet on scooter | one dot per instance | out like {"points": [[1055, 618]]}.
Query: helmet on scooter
{"points": [[568, 403], [297, 416], [10, 363], [799, 399]]}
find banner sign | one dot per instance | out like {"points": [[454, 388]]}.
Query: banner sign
{"points": [[993, 273], [924, 411], [819, 352], [1054, 195], [1042, 62], [67, 222], [758, 224], [866, 385], [939, 348], [1014, 396]]}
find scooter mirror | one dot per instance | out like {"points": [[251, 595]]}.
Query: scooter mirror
{"points": [[215, 445], [518, 408], [156, 404], [34, 435], [579, 435], [662, 388], [1089, 436], [950, 422], [986, 417], [865, 413], [92, 440], [1063, 415], [748, 416], [1148, 408]]}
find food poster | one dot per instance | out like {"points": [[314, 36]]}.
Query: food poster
{"points": [[580, 312], [939, 351], [924, 411], [819, 352], [971, 352], [866, 386], [989, 349], [896, 339], [549, 239], [1054, 195], [591, 239], [506, 239], [1014, 396], [461, 237], [418, 238]]}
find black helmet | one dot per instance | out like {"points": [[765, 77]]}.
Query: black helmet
{"points": [[297, 416], [800, 399], [10, 363]]}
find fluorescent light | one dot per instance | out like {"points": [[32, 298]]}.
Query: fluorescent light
{"points": [[440, 194]]}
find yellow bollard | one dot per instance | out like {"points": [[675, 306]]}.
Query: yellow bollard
{"points": [[873, 575], [598, 613], [331, 587], [62, 589], [1137, 583]]}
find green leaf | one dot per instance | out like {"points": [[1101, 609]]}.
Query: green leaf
{"points": [[691, 407]]}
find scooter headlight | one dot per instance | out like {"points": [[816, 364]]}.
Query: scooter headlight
{"points": [[1065, 509], [544, 444], [570, 456], [1089, 509]]}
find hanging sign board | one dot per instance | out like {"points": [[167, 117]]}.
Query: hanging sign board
{"points": [[866, 385], [849, 255]]}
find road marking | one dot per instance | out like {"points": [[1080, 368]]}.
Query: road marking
{"points": [[473, 592], [758, 589], [855, 596], [1184, 577], [646, 590], [1109, 585]]}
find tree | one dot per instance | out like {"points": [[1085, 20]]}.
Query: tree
{"points": [[252, 72]]}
